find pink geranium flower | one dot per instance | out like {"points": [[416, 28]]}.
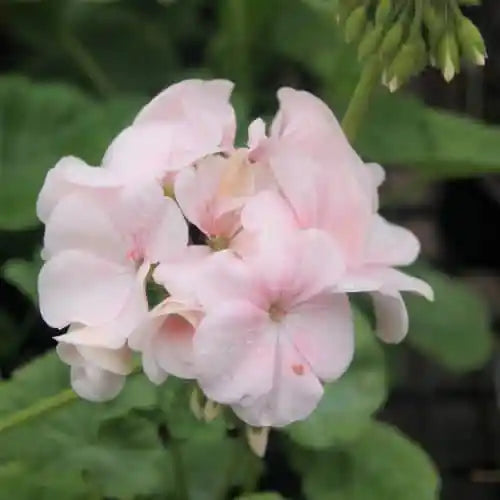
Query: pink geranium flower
{"points": [[273, 329], [97, 374], [165, 340], [325, 185], [184, 123], [99, 254]]}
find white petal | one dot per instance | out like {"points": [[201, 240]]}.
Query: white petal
{"points": [[77, 287], [95, 384], [391, 316]]}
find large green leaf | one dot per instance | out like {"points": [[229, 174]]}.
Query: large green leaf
{"points": [[398, 129], [348, 404], [39, 123], [383, 464], [114, 449], [454, 329], [75, 436]]}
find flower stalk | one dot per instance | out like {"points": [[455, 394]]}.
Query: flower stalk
{"points": [[360, 100]]}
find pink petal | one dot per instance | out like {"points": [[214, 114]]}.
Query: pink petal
{"points": [[79, 223], [196, 190], [142, 154], [391, 316], [234, 349], [390, 244], [71, 174], [170, 236], [295, 393], [256, 133], [117, 361], [324, 196], [112, 334], [308, 124], [77, 287], [151, 368], [180, 275], [323, 333], [297, 267], [268, 211], [94, 384], [173, 345], [225, 277], [383, 279], [205, 103]]}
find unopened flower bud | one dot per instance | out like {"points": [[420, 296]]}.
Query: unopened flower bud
{"points": [[391, 41], [196, 403], [435, 28], [383, 11], [355, 24], [257, 438], [370, 41], [211, 411], [471, 41], [448, 56]]}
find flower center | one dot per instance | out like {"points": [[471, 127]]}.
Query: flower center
{"points": [[217, 243], [276, 312]]}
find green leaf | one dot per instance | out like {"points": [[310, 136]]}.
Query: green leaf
{"points": [[454, 329], [23, 274], [383, 464], [348, 404], [39, 123], [76, 437], [112, 449]]}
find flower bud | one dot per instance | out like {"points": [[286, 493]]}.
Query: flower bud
{"points": [[196, 403], [409, 61], [257, 438], [383, 11], [435, 27], [471, 41], [355, 24], [370, 41], [391, 41], [448, 56]]}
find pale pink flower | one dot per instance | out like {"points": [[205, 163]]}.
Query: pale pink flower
{"points": [[325, 185], [99, 255], [97, 374], [165, 340], [273, 329], [186, 122], [72, 175]]}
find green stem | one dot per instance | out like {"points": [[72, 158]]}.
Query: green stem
{"points": [[40, 407], [236, 20], [232, 466], [178, 466], [171, 444], [360, 99]]}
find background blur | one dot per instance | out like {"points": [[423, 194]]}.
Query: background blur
{"points": [[73, 73]]}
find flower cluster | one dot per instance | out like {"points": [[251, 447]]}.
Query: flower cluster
{"points": [[404, 36], [255, 303]]}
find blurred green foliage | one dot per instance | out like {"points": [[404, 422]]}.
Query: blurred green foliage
{"points": [[74, 75]]}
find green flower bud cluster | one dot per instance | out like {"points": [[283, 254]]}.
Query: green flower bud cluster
{"points": [[406, 35]]}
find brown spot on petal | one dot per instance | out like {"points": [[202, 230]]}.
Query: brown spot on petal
{"points": [[298, 369]]}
